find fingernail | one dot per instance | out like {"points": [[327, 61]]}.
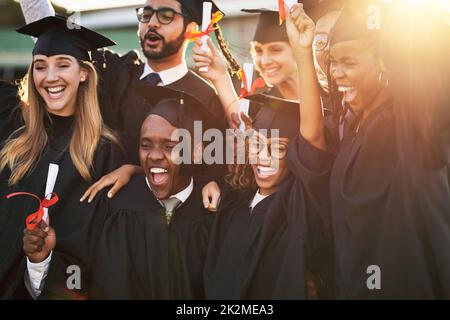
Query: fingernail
{"points": [[109, 195], [89, 200], [46, 229]]}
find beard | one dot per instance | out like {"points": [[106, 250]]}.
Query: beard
{"points": [[168, 48]]}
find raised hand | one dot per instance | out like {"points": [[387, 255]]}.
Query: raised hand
{"points": [[300, 28], [213, 59]]}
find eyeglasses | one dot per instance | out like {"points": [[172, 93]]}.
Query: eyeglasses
{"points": [[320, 42], [164, 15], [276, 150]]}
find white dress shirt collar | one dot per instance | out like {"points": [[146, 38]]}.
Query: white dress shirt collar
{"points": [[257, 199], [167, 76], [183, 195]]}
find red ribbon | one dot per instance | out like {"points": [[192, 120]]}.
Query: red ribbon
{"points": [[258, 83], [33, 219], [195, 35], [281, 11]]}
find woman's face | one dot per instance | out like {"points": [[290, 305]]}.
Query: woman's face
{"points": [[270, 166], [275, 61], [356, 70], [57, 79], [321, 36]]}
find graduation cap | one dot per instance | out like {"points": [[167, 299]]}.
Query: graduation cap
{"points": [[354, 22], [276, 113], [179, 108], [269, 29], [318, 8], [58, 35], [195, 9]]}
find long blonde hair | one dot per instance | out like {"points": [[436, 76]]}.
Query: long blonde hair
{"points": [[24, 147]]}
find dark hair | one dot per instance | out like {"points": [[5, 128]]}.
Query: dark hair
{"points": [[233, 65]]}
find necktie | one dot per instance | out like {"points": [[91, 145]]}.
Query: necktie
{"points": [[170, 205], [152, 79]]}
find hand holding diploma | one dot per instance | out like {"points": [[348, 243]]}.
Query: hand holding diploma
{"points": [[39, 242]]}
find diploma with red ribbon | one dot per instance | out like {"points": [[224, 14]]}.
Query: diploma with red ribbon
{"points": [[248, 87], [49, 200], [209, 27]]}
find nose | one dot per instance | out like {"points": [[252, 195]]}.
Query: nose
{"points": [[153, 23], [264, 157], [266, 60], [155, 154], [336, 72], [52, 74]]}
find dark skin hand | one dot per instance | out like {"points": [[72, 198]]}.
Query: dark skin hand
{"points": [[38, 243]]}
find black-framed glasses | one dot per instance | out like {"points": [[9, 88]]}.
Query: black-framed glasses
{"points": [[164, 15], [320, 41]]}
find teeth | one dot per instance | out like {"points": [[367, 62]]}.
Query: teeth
{"points": [[158, 170], [345, 89], [55, 89], [267, 171]]}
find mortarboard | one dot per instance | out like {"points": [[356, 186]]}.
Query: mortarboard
{"points": [[58, 35], [269, 29], [195, 9], [353, 22], [276, 113], [179, 108]]}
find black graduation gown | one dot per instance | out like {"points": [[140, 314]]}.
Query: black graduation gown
{"points": [[139, 257], [68, 217], [389, 210], [123, 107], [265, 254]]}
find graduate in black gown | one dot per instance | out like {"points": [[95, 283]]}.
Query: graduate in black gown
{"points": [[55, 119], [388, 177], [150, 241], [267, 233]]}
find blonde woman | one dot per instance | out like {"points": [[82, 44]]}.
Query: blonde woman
{"points": [[51, 116]]}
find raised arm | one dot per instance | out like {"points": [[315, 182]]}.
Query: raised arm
{"points": [[217, 73], [300, 29]]}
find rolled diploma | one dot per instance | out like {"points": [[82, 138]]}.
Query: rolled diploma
{"points": [[206, 20], [289, 3], [53, 170]]}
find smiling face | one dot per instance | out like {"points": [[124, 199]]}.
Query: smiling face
{"points": [[356, 69], [162, 41], [275, 61], [270, 168], [57, 79], [155, 156]]}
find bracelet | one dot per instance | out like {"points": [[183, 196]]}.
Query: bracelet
{"points": [[229, 105]]}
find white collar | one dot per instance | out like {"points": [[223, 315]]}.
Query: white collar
{"points": [[167, 76], [257, 199], [183, 195]]}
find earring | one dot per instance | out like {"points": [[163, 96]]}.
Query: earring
{"points": [[383, 79]]}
